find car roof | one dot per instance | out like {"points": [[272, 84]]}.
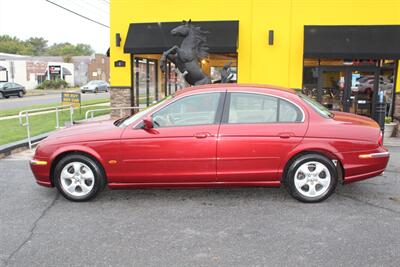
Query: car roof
{"points": [[235, 86]]}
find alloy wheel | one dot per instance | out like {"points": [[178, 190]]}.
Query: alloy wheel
{"points": [[77, 179], [312, 179]]}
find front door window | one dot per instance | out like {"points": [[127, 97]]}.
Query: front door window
{"points": [[198, 109]]}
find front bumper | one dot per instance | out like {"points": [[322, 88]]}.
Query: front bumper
{"points": [[87, 90], [41, 170]]}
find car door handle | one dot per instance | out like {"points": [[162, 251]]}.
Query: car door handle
{"points": [[202, 135], [286, 135]]}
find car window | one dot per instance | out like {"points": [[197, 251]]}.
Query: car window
{"points": [[252, 108], [259, 108], [289, 112], [191, 110], [322, 110]]}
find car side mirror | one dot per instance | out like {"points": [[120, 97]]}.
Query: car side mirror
{"points": [[148, 124]]}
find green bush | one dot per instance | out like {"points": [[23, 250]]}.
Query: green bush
{"points": [[388, 119], [53, 84]]}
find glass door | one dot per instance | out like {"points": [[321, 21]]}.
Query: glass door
{"points": [[146, 81], [332, 88], [348, 88], [362, 92]]}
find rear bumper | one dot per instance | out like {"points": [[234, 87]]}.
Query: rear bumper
{"points": [[364, 164]]}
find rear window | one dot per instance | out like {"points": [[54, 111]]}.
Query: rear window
{"points": [[320, 109]]}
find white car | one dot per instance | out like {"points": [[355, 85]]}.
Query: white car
{"points": [[366, 84], [95, 86]]}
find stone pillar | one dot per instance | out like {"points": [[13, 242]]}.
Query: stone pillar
{"points": [[120, 96], [397, 106]]}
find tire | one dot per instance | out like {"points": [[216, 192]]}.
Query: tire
{"points": [[1, 95], [72, 184], [20, 94], [311, 178], [6, 96], [96, 90]]}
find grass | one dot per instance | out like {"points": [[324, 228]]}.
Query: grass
{"points": [[11, 131], [15, 111]]}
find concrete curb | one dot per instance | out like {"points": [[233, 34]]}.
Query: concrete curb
{"points": [[8, 149]]}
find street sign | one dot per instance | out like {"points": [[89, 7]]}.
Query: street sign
{"points": [[68, 98]]}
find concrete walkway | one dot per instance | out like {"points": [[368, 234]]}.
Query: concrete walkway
{"points": [[391, 141]]}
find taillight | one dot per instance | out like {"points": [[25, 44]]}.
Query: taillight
{"points": [[380, 141]]}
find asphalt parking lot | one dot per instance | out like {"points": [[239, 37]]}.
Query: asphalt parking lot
{"points": [[357, 226]]}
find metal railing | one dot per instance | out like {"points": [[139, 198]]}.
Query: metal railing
{"points": [[26, 113], [92, 111]]}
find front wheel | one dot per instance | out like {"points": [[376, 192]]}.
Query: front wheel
{"points": [[311, 178], [79, 177], [1, 95], [20, 94]]}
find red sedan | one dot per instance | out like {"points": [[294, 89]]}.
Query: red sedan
{"points": [[216, 136]]}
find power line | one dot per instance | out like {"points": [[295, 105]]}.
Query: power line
{"points": [[82, 16], [86, 4]]}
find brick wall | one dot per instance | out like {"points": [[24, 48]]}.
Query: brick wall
{"points": [[120, 97]]}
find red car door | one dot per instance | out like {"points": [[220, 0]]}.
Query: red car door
{"points": [[181, 148], [257, 130]]}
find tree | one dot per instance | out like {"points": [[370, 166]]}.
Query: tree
{"points": [[38, 45], [11, 45]]}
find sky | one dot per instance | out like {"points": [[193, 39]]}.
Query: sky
{"points": [[38, 18]]}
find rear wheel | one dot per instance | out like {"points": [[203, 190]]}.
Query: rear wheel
{"points": [[311, 178], [1, 95], [78, 177], [96, 90]]}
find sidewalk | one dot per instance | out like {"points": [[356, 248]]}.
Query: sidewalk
{"points": [[391, 141]]}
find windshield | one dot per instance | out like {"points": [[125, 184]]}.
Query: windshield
{"points": [[2, 84], [316, 106], [136, 116]]}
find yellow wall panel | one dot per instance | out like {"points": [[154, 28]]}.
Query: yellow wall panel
{"points": [[258, 62]]}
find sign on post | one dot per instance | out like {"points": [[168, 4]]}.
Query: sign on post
{"points": [[73, 99]]}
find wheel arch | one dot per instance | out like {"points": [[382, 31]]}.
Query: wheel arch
{"points": [[61, 154], [325, 153]]}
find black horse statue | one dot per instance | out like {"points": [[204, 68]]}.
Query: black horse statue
{"points": [[188, 56]]}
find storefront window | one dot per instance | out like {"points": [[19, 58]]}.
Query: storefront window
{"points": [[151, 84], [349, 85]]}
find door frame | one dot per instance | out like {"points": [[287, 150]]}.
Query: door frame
{"points": [[135, 78], [347, 83]]}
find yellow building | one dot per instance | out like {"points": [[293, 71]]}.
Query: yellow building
{"points": [[341, 52]]}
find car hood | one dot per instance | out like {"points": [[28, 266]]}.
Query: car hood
{"points": [[90, 131], [350, 118]]}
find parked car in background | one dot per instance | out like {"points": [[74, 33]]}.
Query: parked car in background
{"points": [[224, 135], [366, 84], [95, 86], [8, 89]]}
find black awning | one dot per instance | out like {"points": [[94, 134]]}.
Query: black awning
{"points": [[66, 71], [352, 42], [155, 38]]}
